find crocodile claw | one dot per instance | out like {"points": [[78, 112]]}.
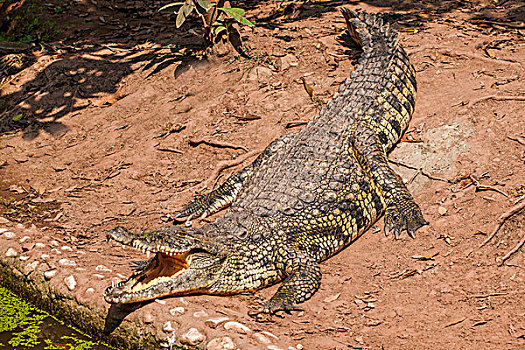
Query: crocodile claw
{"points": [[407, 216]]}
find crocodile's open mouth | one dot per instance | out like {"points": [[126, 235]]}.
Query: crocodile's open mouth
{"points": [[169, 272]]}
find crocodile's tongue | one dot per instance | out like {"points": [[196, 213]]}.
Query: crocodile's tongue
{"points": [[163, 268]]}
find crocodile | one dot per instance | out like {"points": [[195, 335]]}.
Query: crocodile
{"points": [[307, 196]]}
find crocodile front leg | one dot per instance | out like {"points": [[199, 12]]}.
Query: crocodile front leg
{"points": [[303, 278], [402, 212]]}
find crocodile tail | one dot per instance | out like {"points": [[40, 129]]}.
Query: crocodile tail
{"points": [[382, 87], [368, 30]]}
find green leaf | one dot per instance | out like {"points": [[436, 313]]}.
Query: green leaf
{"points": [[173, 4], [219, 29], [204, 4], [237, 14], [184, 11], [17, 117]]}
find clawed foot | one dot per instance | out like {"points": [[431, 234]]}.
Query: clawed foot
{"points": [[406, 216], [278, 304]]}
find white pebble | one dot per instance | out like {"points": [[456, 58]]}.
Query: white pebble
{"points": [[70, 282], [11, 252], [90, 290], [192, 337], [201, 313], [50, 274], [299, 346], [160, 301], [215, 322], [98, 276], [102, 268], [40, 245], [222, 343], [167, 327], [271, 335], [67, 248], [44, 256], [24, 258], [25, 238], [67, 262], [31, 266], [9, 234], [236, 326], [273, 347], [178, 310], [2, 230], [261, 338]]}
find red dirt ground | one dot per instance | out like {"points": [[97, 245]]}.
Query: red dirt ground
{"points": [[104, 140]]}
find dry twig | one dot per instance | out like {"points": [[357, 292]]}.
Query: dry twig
{"points": [[216, 143], [501, 221], [496, 98], [513, 250], [227, 164]]}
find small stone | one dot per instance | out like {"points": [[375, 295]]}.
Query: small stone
{"points": [[148, 318], [178, 310], [24, 239], [288, 61], [273, 347], [192, 337], [44, 256], [50, 274], [67, 262], [70, 282], [9, 234], [201, 313], [215, 322], [102, 268], [24, 258], [31, 267], [237, 327], [11, 252], [67, 248], [98, 276], [20, 226], [160, 301], [271, 335], [40, 245], [90, 290], [55, 243], [261, 338], [222, 343], [168, 328], [299, 346], [442, 210]]}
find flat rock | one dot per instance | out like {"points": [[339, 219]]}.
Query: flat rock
{"points": [[9, 234], [11, 252], [50, 274], [222, 343], [70, 282], [237, 327], [192, 337]]}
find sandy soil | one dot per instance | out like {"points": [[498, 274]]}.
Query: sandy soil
{"points": [[108, 136]]}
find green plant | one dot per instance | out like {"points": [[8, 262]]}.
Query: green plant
{"points": [[218, 21]]}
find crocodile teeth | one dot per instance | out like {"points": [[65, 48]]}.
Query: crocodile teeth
{"points": [[147, 254]]}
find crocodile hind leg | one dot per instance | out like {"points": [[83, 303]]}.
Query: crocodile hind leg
{"points": [[225, 194], [402, 212], [303, 278]]}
